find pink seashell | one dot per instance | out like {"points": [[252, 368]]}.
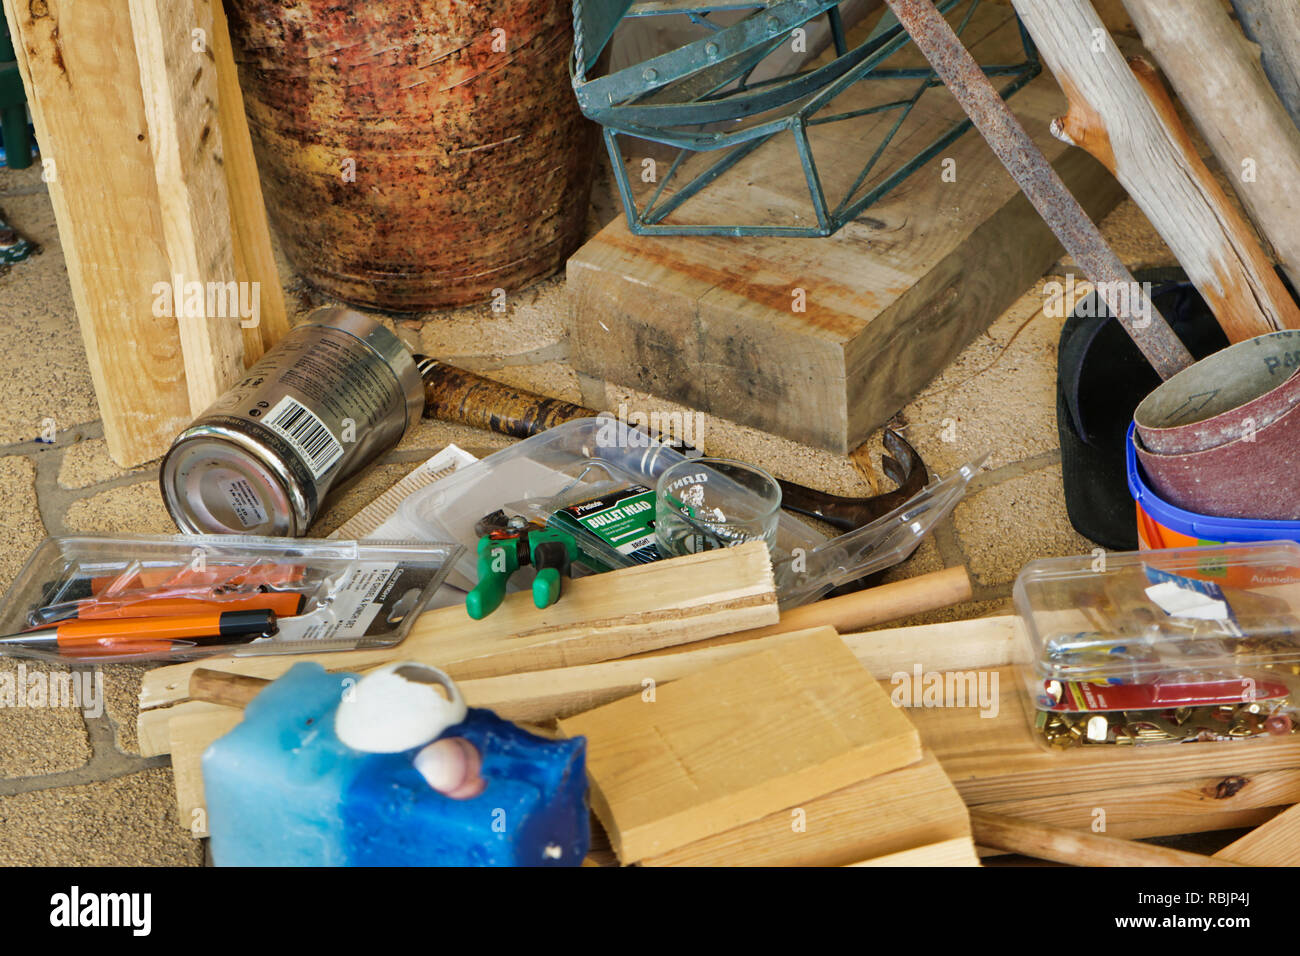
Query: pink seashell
{"points": [[452, 767]]}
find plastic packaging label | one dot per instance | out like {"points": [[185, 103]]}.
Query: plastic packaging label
{"points": [[622, 519]]}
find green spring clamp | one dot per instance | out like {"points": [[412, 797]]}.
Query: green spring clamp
{"points": [[507, 544]]}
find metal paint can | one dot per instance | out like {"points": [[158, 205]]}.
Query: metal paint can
{"points": [[332, 396]]}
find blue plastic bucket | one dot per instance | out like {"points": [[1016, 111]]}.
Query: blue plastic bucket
{"points": [[1162, 525]]}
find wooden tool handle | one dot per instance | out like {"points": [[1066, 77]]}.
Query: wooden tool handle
{"points": [[1045, 842], [886, 602], [223, 687], [455, 395]]}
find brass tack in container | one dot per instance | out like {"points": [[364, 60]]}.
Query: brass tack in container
{"points": [[332, 396]]}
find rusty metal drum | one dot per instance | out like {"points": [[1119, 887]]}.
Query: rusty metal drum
{"points": [[416, 154]]}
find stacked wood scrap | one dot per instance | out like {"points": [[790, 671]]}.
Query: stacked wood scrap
{"points": [[792, 735]]}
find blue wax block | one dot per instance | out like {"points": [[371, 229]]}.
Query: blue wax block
{"points": [[282, 790]]}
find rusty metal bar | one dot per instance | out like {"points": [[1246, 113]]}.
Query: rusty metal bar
{"points": [[1081, 238]]}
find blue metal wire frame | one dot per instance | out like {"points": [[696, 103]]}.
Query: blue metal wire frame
{"points": [[670, 99]]}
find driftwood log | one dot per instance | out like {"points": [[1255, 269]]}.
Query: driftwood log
{"points": [[1275, 26], [1122, 115], [1217, 75]]}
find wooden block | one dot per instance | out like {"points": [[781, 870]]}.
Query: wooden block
{"points": [[179, 85], [890, 813], [891, 299], [1276, 843], [956, 852], [79, 68], [598, 618], [732, 743]]}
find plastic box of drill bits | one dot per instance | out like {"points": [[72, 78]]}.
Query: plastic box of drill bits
{"points": [[1155, 647]]}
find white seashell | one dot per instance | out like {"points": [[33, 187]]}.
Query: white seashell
{"points": [[451, 766], [398, 707]]}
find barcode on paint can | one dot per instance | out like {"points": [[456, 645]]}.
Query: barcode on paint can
{"points": [[308, 434]]}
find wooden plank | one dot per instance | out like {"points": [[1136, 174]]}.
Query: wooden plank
{"points": [[79, 68], [890, 813], [956, 852], [179, 85], [735, 742], [1276, 843], [891, 299], [601, 617], [254, 256], [1175, 806], [561, 692]]}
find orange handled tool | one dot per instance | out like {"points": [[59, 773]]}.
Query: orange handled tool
{"points": [[283, 603], [225, 627]]}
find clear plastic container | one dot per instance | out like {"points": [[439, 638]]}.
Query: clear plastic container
{"points": [[532, 476], [101, 598], [1175, 646]]}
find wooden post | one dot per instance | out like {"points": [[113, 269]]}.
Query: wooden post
{"points": [[151, 175], [79, 67], [1217, 75], [1122, 116], [254, 259], [1275, 26], [172, 46]]}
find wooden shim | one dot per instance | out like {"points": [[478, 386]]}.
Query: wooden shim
{"points": [[1276, 843], [892, 298], [1217, 75], [735, 742], [956, 852], [1122, 115], [79, 68], [896, 811], [254, 257], [598, 618]]}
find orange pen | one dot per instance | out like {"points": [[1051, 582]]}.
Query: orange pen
{"points": [[224, 627], [283, 603]]}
